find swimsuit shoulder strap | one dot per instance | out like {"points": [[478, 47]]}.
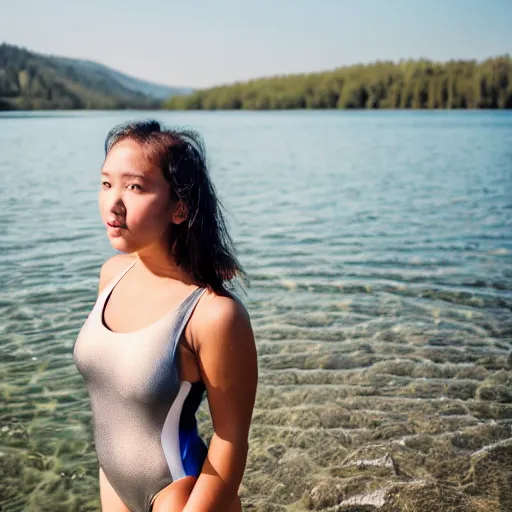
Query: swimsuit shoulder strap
{"points": [[184, 314], [112, 283]]}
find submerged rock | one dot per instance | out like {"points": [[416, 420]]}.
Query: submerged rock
{"points": [[490, 474]]}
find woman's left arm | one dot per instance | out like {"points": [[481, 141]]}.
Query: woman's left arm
{"points": [[226, 351]]}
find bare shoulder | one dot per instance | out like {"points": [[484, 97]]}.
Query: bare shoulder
{"points": [[219, 315], [215, 308], [112, 267]]}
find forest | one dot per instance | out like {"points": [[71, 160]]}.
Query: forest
{"points": [[411, 84], [32, 81], [29, 81]]}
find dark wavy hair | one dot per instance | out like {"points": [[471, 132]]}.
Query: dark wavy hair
{"points": [[201, 244]]}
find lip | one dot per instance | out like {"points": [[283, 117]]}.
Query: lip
{"points": [[115, 229], [115, 224]]}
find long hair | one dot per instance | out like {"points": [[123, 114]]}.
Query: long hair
{"points": [[201, 244]]}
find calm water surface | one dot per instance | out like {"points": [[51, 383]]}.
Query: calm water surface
{"points": [[379, 250]]}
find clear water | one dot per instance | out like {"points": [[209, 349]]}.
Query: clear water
{"points": [[379, 250]]}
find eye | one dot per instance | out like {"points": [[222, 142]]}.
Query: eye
{"points": [[135, 185], [105, 183]]}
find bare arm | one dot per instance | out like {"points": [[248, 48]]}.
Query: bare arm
{"points": [[227, 357]]}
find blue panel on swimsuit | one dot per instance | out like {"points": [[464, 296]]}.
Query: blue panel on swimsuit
{"points": [[192, 448]]}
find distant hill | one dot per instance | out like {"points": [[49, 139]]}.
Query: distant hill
{"points": [[29, 80], [157, 91]]}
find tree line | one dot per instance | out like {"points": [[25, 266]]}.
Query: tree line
{"points": [[32, 81], [420, 84]]}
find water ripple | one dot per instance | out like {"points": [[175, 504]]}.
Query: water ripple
{"points": [[379, 250]]}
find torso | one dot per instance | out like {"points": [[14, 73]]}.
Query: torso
{"points": [[131, 308], [144, 383]]}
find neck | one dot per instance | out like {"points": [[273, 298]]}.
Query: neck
{"points": [[160, 264]]}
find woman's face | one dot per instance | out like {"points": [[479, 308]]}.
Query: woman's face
{"points": [[135, 197]]}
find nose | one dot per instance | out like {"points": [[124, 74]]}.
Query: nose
{"points": [[118, 207], [115, 200], [111, 201]]}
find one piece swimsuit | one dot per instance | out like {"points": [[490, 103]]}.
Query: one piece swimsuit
{"points": [[144, 424]]}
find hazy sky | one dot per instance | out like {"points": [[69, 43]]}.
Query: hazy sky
{"points": [[200, 43]]}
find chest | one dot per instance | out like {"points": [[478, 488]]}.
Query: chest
{"points": [[143, 366], [128, 309]]}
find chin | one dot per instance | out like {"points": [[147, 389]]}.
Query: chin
{"points": [[120, 245]]}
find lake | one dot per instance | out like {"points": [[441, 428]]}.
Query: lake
{"points": [[379, 251]]}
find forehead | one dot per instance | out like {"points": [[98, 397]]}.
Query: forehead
{"points": [[127, 156]]}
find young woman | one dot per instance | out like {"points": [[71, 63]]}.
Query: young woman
{"points": [[165, 330]]}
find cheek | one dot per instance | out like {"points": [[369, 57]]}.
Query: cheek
{"points": [[103, 204], [149, 214]]}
